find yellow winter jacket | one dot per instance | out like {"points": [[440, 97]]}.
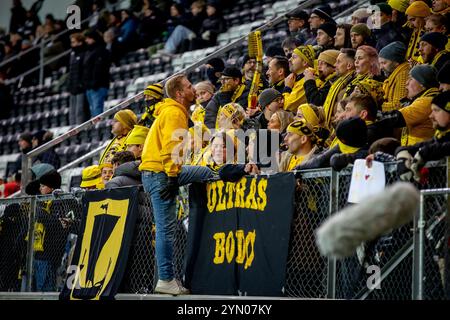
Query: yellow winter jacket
{"points": [[394, 88], [159, 145], [418, 124], [295, 97]]}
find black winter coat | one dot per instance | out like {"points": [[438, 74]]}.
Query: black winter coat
{"points": [[75, 80], [96, 66]]}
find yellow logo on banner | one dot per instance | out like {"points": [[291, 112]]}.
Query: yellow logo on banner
{"points": [[226, 247], [222, 196], [98, 256]]}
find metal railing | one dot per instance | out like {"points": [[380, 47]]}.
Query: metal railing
{"points": [[42, 44], [432, 233], [26, 161], [308, 274]]}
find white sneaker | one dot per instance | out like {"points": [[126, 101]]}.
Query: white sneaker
{"points": [[171, 287]]}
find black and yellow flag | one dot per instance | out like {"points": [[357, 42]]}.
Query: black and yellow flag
{"points": [[101, 254], [239, 235]]}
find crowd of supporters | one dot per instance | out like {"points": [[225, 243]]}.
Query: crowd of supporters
{"points": [[376, 89]]}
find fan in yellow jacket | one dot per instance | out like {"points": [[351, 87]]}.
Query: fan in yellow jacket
{"points": [[162, 159], [159, 145], [394, 66], [123, 123], [294, 92], [414, 116]]}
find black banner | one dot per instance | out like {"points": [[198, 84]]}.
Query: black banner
{"points": [[101, 254], [239, 235]]}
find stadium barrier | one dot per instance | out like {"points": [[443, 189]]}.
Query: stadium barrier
{"points": [[431, 253], [382, 269]]}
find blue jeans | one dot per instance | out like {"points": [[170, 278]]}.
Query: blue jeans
{"points": [[179, 34], [44, 276], [164, 212], [96, 99]]}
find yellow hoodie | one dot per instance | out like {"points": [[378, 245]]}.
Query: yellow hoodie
{"points": [[159, 144]]}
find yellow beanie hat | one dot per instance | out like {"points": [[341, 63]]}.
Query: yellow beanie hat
{"points": [[91, 177], [137, 135], [329, 56], [127, 118], [399, 5], [155, 91], [306, 53], [418, 9], [309, 114]]}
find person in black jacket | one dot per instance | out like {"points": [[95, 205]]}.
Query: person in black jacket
{"points": [[327, 73], [277, 71], [232, 90], [25, 146], [49, 156], [77, 114], [385, 31], [212, 26], [96, 75], [18, 16], [352, 145]]}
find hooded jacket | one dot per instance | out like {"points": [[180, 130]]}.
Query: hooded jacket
{"points": [[159, 145], [127, 174]]}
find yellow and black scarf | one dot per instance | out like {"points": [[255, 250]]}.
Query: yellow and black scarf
{"points": [[333, 95]]}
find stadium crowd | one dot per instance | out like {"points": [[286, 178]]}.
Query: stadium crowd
{"points": [[376, 89]]}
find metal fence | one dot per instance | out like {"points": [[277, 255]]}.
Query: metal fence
{"points": [[432, 246], [41, 263]]}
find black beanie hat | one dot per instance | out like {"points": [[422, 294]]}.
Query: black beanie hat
{"points": [[324, 12], [51, 180], [436, 39], [444, 74], [442, 100], [232, 72], [352, 132], [217, 64], [329, 28]]}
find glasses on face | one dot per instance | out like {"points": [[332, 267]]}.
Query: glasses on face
{"points": [[225, 78]]}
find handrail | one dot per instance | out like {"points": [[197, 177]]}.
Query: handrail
{"points": [[128, 101], [39, 45], [26, 73], [26, 160], [87, 156]]}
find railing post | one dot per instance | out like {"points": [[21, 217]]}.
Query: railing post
{"points": [[331, 268], [418, 252], [41, 64], [26, 165], [30, 249]]}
